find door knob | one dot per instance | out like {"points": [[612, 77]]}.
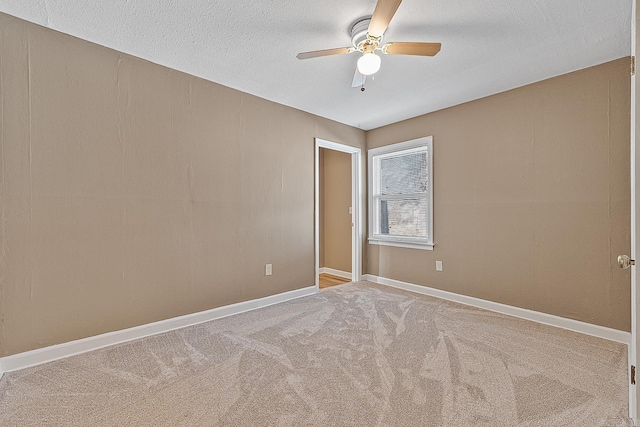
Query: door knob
{"points": [[625, 262]]}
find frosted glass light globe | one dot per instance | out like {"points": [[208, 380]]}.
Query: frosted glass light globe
{"points": [[369, 63]]}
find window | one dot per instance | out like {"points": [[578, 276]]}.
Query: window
{"points": [[401, 194]]}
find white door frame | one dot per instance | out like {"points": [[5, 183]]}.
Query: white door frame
{"points": [[634, 346], [356, 205]]}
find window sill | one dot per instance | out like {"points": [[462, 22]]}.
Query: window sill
{"points": [[402, 244]]}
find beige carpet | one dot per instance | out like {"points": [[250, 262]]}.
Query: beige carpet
{"points": [[354, 355]]}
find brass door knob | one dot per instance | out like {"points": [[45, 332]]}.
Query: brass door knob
{"points": [[625, 262]]}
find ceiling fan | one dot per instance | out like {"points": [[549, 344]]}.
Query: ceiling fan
{"points": [[366, 37]]}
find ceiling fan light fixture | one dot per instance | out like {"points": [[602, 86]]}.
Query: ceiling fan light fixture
{"points": [[369, 63], [366, 37]]}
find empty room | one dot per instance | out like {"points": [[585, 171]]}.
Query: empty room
{"points": [[340, 213]]}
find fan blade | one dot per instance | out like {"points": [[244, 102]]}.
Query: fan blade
{"points": [[326, 52], [411, 48], [358, 79], [385, 9]]}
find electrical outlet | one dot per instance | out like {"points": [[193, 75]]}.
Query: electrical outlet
{"points": [[268, 270], [438, 265]]}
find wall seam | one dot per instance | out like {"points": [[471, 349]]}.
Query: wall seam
{"points": [[609, 244], [29, 100], [534, 204], [3, 265]]}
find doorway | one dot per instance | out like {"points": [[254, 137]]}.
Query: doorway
{"points": [[335, 217], [338, 210]]}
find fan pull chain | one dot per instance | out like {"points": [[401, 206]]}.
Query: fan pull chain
{"points": [[362, 88]]}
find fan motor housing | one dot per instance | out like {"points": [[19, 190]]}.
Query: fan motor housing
{"points": [[359, 31]]}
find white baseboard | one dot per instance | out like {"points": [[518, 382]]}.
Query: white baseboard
{"points": [[60, 351], [334, 272], [523, 313]]}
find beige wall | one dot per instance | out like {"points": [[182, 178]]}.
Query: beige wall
{"points": [[335, 240], [133, 193], [532, 197]]}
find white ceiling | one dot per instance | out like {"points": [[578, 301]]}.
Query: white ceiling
{"points": [[488, 46]]}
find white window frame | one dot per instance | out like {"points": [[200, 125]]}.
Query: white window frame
{"points": [[401, 241]]}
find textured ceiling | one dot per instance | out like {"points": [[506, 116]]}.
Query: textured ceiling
{"points": [[488, 46]]}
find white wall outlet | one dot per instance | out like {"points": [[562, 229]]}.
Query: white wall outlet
{"points": [[350, 210], [438, 265], [268, 270]]}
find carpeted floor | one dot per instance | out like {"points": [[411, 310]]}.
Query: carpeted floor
{"points": [[353, 355]]}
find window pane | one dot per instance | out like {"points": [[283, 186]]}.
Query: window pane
{"points": [[406, 217], [404, 174]]}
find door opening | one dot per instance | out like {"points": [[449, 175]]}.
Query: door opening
{"points": [[338, 210]]}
